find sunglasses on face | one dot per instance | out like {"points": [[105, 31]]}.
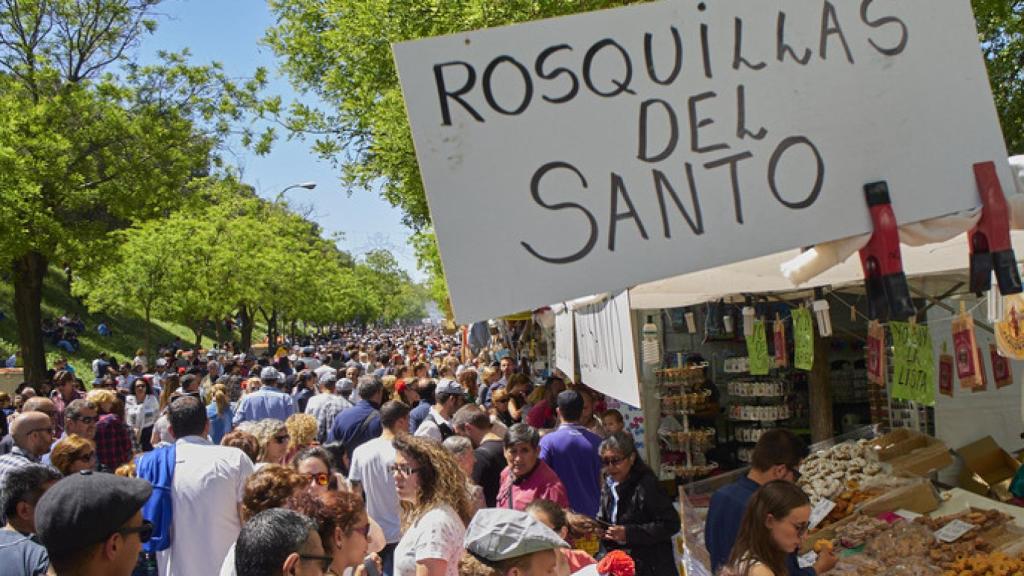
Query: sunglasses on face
{"points": [[282, 439], [403, 470], [320, 478], [325, 561], [145, 531], [85, 419], [612, 461]]}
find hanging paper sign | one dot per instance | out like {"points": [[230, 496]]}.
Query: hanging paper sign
{"points": [[913, 375], [781, 352], [981, 373], [1002, 373], [965, 351], [946, 375], [803, 339], [1010, 330], [757, 350], [876, 353]]}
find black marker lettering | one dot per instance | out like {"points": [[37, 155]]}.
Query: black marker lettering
{"points": [[732, 161], [661, 184], [696, 124], [541, 59], [443, 94], [527, 86], [619, 187], [737, 51], [705, 50], [741, 117], [773, 165], [649, 57], [620, 85], [878, 23], [673, 125], [830, 26], [535, 193], [782, 48]]}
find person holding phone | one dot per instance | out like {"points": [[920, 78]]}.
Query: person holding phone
{"points": [[639, 515]]}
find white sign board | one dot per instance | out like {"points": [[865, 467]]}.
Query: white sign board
{"points": [[606, 348], [565, 343], [594, 152]]}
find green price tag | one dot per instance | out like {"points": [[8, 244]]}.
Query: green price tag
{"points": [[803, 339], [757, 350], [913, 366]]}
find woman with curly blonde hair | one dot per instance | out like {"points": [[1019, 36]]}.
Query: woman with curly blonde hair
{"points": [[302, 428], [436, 508], [273, 438]]}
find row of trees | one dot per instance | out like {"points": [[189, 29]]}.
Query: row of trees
{"points": [[98, 161], [340, 50], [227, 253]]}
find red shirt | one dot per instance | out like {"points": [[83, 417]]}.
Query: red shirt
{"points": [[541, 483], [113, 442]]}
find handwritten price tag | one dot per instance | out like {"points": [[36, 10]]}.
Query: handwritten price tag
{"points": [[953, 531], [819, 512], [807, 560]]}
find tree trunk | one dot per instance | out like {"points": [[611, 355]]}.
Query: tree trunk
{"points": [[218, 329], [29, 271], [272, 332], [245, 327], [197, 330]]}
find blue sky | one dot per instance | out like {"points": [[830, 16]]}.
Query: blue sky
{"points": [[229, 31]]}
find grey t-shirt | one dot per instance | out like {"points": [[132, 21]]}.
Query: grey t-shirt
{"points": [[22, 555]]}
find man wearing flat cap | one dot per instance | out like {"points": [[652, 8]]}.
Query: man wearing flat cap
{"points": [[91, 524], [503, 542]]}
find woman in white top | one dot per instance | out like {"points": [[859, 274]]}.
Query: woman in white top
{"points": [[142, 408], [772, 528], [436, 508]]}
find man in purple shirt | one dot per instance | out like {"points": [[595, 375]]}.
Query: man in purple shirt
{"points": [[571, 451]]}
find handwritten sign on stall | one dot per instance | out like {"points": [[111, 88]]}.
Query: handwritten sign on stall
{"points": [[757, 350], [803, 339], [913, 367], [605, 346], [593, 152]]}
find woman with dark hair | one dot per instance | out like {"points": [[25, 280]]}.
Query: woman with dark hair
{"points": [[343, 526], [142, 409], [435, 508], [317, 466], [640, 514], [772, 528]]}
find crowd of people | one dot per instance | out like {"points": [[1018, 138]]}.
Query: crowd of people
{"points": [[395, 453]]}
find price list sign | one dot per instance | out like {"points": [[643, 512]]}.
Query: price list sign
{"points": [[913, 363]]}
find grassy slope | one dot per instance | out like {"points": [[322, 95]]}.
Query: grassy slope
{"points": [[129, 330]]}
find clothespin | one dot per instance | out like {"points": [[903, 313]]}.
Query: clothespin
{"points": [[963, 307], [989, 241], [881, 260], [853, 313]]}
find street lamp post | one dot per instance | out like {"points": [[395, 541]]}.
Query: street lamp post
{"points": [[272, 328]]}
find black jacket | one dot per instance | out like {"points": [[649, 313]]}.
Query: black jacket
{"points": [[650, 520]]}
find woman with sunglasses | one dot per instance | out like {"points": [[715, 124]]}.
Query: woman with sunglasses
{"points": [[73, 454], [772, 528], [435, 508], [273, 437], [142, 408], [343, 526], [316, 464], [639, 515]]}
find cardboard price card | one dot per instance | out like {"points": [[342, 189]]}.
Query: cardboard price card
{"points": [[757, 350], [876, 353], [1002, 373], [953, 531], [803, 339], [965, 352], [913, 375], [946, 375], [781, 352], [818, 513]]}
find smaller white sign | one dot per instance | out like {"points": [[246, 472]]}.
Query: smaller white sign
{"points": [[807, 560], [606, 348], [953, 531], [565, 343], [819, 512]]}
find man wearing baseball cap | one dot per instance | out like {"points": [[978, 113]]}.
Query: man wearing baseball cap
{"points": [[91, 524], [511, 543], [267, 402], [448, 398]]}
